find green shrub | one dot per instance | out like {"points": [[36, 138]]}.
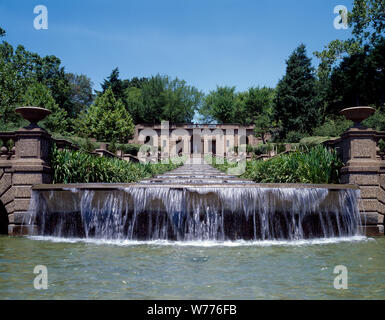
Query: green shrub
{"points": [[313, 141], [112, 147], [88, 145], [80, 167], [333, 127], [281, 147], [127, 148], [311, 165], [381, 145], [83, 143], [12, 126], [262, 149], [221, 166], [10, 144], [376, 121], [258, 150], [249, 149], [294, 136]]}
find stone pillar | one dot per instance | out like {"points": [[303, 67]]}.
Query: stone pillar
{"points": [[358, 149], [29, 167]]}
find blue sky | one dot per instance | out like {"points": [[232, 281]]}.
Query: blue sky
{"points": [[240, 43]]}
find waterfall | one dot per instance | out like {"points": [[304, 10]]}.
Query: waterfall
{"points": [[196, 212]]}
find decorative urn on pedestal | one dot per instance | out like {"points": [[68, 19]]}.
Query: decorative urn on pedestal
{"points": [[33, 115], [357, 114]]}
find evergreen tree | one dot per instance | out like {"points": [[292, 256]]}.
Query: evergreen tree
{"points": [[295, 102], [117, 85], [135, 82], [107, 119], [258, 101]]}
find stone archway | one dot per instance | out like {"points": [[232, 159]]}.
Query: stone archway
{"points": [[3, 219]]}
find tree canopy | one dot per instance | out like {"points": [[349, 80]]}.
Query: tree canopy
{"points": [[107, 119], [225, 105], [25, 75], [151, 100], [295, 102], [219, 105], [80, 95], [351, 72]]}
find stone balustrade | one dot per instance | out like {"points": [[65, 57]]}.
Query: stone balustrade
{"points": [[7, 145]]}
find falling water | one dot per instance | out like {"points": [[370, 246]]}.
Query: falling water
{"points": [[195, 212]]}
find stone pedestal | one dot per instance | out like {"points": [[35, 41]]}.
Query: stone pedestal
{"points": [[357, 147], [29, 167]]}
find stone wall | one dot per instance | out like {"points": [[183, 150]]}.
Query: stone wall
{"points": [[363, 167], [26, 166]]}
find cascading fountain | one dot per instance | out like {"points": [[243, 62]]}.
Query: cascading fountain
{"points": [[196, 203]]}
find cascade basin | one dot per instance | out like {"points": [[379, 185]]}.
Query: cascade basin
{"points": [[186, 211]]}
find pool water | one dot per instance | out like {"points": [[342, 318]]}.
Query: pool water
{"points": [[100, 269]]}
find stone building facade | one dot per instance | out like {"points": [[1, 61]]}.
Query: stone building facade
{"points": [[195, 139]]}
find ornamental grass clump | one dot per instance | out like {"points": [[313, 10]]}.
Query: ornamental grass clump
{"points": [[80, 167], [317, 165]]}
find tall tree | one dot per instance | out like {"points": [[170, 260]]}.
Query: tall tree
{"points": [[358, 80], [295, 102], [81, 95], [24, 69], [220, 105], [368, 20], [133, 99], [258, 101], [107, 119], [263, 125], [115, 83], [153, 101], [350, 71], [161, 98], [180, 101], [259, 106], [135, 82], [10, 95]]}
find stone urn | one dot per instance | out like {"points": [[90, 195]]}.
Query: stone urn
{"points": [[357, 114], [33, 114]]}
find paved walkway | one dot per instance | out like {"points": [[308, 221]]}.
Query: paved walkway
{"points": [[196, 174]]}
